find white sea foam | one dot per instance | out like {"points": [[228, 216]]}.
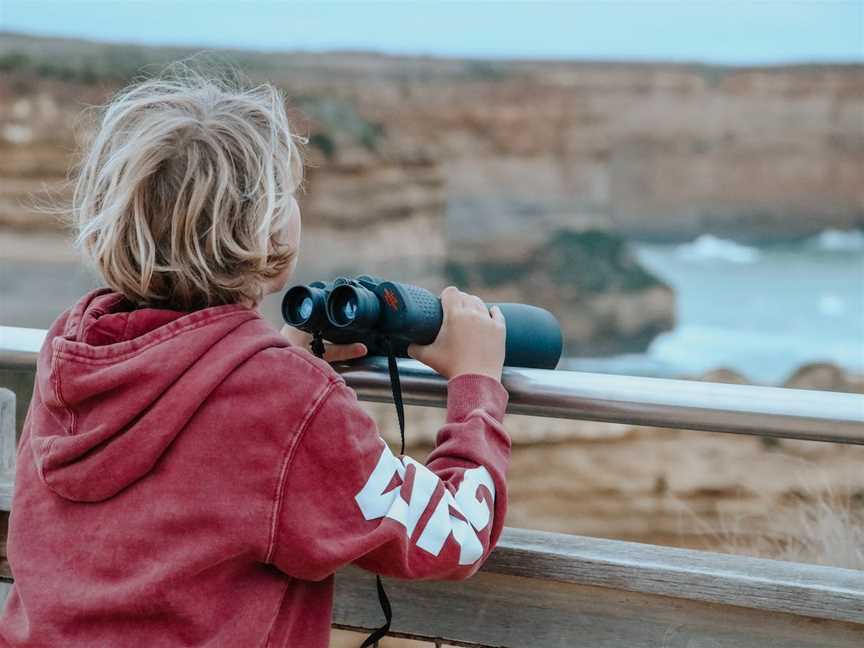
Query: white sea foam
{"points": [[712, 248], [766, 357], [793, 306], [834, 240]]}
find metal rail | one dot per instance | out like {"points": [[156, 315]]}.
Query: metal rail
{"points": [[739, 409]]}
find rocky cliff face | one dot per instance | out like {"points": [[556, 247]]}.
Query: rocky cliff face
{"points": [[374, 216], [418, 165], [655, 151], [365, 209]]}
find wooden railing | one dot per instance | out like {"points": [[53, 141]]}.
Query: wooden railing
{"points": [[545, 589]]}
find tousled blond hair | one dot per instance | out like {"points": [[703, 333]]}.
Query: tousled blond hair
{"points": [[184, 188]]}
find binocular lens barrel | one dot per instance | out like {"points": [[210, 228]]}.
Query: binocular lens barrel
{"points": [[300, 305], [533, 337], [353, 306]]}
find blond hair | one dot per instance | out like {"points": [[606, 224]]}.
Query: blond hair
{"points": [[184, 188]]}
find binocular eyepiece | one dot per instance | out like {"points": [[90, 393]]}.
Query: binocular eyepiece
{"points": [[315, 307], [303, 306], [373, 311], [353, 306]]}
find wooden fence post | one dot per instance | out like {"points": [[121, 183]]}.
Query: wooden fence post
{"points": [[7, 474], [7, 448]]}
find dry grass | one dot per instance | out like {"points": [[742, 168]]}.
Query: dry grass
{"points": [[824, 531], [817, 524]]}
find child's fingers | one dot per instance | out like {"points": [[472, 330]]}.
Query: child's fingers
{"points": [[343, 352], [450, 298]]}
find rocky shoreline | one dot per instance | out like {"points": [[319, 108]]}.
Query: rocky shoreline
{"points": [[820, 376], [606, 301]]}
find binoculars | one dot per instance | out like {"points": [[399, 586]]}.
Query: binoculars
{"points": [[377, 312]]}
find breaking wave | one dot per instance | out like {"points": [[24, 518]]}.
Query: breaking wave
{"points": [[834, 240], [712, 248]]}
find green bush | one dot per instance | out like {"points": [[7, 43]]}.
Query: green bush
{"points": [[14, 62], [337, 117], [324, 143]]}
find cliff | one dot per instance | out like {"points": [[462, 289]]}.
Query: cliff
{"points": [[653, 151], [434, 170], [649, 149]]}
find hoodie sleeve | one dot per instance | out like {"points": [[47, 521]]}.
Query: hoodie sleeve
{"points": [[347, 498]]}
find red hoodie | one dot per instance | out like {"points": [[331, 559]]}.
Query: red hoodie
{"points": [[192, 479]]}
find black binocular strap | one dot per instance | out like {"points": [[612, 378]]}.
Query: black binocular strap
{"points": [[396, 386], [318, 345]]}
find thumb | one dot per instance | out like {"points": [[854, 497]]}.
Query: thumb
{"points": [[343, 352]]}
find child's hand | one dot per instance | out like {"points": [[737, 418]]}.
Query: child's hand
{"points": [[471, 339], [332, 352]]}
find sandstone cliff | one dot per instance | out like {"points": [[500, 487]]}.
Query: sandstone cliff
{"points": [[654, 150], [418, 165]]}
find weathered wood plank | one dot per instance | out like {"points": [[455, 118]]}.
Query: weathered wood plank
{"points": [[7, 448], [7, 481], [796, 588], [511, 611], [20, 379], [5, 571], [4, 593]]}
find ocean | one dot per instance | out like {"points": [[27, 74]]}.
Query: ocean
{"points": [[760, 311]]}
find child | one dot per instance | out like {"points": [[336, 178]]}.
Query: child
{"points": [[187, 476]]}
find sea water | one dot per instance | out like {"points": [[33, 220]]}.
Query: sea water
{"points": [[761, 311]]}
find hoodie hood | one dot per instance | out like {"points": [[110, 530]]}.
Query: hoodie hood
{"points": [[118, 384]]}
